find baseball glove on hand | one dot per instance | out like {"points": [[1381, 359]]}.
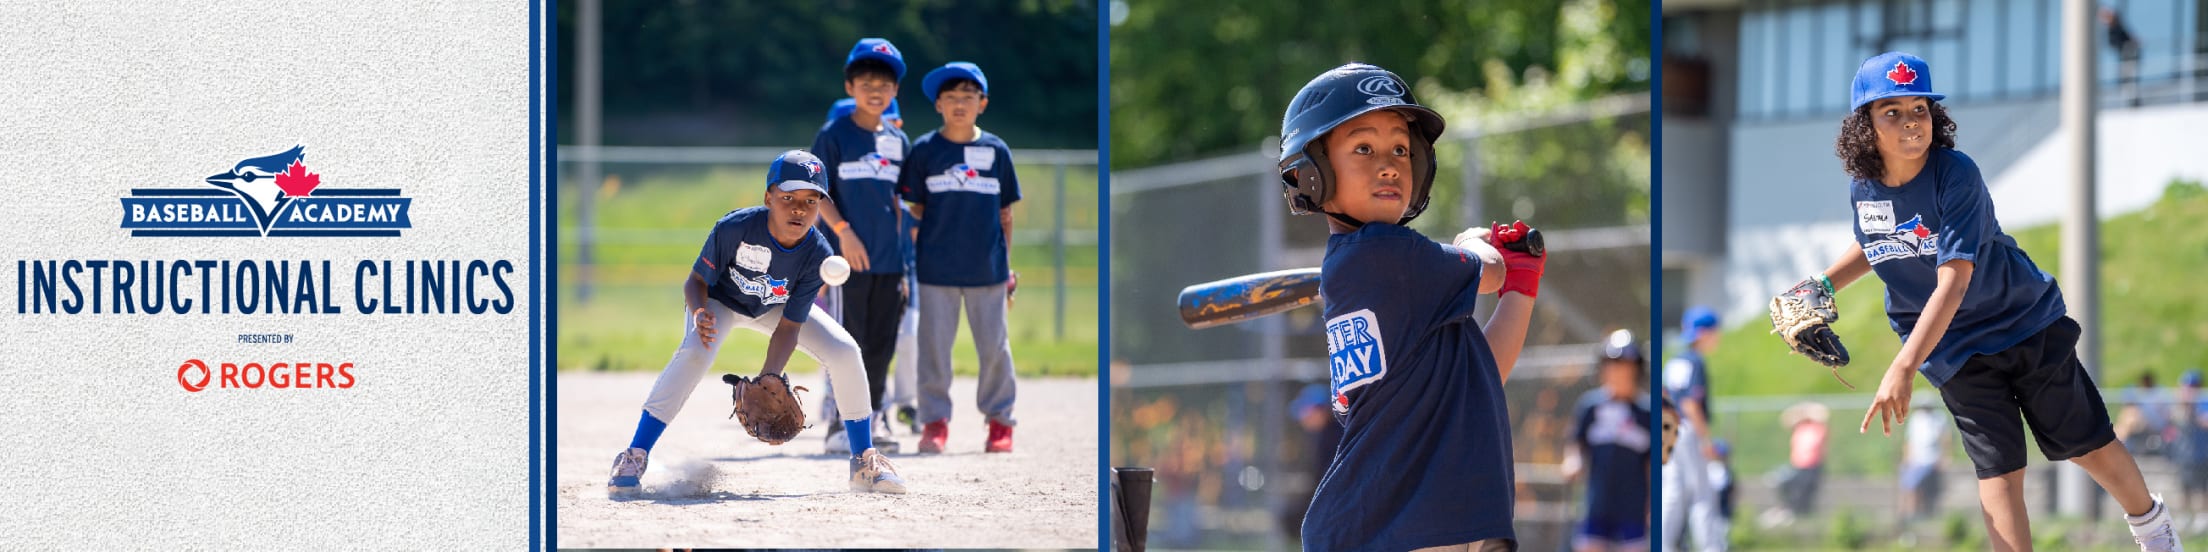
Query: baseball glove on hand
{"points": [[1803, 315], [767, 407]]}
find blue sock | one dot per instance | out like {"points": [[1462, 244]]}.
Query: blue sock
{"points": [[647, 432], [861, 433]]}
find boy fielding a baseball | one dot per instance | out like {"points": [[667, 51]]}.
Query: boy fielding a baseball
{"points": [[759, 270], [960, 182], [1425, 459], [1982, 323]]}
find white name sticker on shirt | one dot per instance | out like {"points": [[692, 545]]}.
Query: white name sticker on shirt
{"points": [[1355, 354], [1875, 217], [981, 158], [889, 147], [753, 257]]}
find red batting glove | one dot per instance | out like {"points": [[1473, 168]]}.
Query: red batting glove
{"points": [[1522, 271]]}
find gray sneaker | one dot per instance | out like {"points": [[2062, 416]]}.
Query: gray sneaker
{"points": [[872, 472], [628, 473]]}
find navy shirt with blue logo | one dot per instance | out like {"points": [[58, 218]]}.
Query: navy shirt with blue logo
{"points": [[1612, 435], [747, 271], [1687, 380], [862, 179], [1946, 214], [963, 187], [1425, 457]]}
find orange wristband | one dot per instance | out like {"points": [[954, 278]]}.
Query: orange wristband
{"points": [[840, 225]]}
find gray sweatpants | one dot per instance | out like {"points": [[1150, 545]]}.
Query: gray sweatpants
{"points": [[819, 337], [939, 308]]}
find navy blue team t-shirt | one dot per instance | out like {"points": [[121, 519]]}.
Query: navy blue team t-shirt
{"points": [[749, 273], [1945, 214], [863, 183], [1687, 379], [963, 187], [1612, 435], [1425, 458]]}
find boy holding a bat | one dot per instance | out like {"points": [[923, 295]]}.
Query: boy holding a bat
{"points": [[1425, 458]]}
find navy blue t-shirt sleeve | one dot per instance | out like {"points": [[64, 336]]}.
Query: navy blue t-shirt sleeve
{"points": [[1966, 211], [713, 257], [912, 180], [824, 147], [1582, 417], [1008, 179], [807, 283]]}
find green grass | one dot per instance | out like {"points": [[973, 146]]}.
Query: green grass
{"points": [[651, 226]]}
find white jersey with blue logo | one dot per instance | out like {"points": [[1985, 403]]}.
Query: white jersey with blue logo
{"points": [[1425, 458], [747, 271], [1941, 215]]}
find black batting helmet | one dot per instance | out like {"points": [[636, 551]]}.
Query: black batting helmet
{"points": [[1337, 96]]}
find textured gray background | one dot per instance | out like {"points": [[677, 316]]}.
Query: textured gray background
{"points": [[100, 444]]}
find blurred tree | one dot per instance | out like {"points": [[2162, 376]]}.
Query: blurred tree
{"points": [[749, 72], [1196, 79]]}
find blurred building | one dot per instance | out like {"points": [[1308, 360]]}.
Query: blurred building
{"points": [[1754, 91]]}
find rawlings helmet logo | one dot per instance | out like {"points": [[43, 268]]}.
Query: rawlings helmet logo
{"points": [[1380, 85], [1902, 75]]}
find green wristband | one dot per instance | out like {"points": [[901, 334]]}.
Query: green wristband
{"points": [[1827, 283]]}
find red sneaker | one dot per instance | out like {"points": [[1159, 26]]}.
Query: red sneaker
{"points": [[1000, 437], [933, 436]]}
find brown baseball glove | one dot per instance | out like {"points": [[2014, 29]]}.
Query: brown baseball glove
{"points": [[768, 407], [1803, 316]]}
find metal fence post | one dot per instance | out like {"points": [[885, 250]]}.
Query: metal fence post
{"points": [[1058, 246]]}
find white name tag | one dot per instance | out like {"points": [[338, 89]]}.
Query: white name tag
{"points": [[888, 146], [981, 158], [754, 258], [1875, 217]]}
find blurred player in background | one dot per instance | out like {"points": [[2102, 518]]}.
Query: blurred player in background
{"points": [[961, 185], [1425, 459], [864, 151], [1690, 503], [1610, 449]]}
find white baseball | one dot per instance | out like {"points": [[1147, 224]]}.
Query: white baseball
{"points": [[835, 270]]}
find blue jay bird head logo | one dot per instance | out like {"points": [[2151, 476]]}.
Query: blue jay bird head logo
{"points": [[267, 183]]}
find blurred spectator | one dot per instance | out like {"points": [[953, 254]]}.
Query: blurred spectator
{"points": [[2127, 54], [1799, 480], [2144, 421], [2192, 449], [1310, 411], [1922, 457], [1610, 449], [1721, 480]]}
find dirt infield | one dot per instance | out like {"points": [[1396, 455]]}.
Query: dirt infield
{"points": [[710, 485]]}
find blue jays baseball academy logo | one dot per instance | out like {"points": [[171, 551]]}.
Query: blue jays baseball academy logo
{"points": [[272, 195], [1355, 355], [1908, 239]]}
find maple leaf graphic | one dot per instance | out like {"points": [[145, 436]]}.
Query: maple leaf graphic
{"points": [[296, 181], [1902, 74]]}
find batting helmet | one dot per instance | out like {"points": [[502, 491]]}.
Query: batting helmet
{"points": [[1622, 346], [1335, 97]]}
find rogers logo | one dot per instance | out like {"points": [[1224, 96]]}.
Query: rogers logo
{"points": [[254, 375]]}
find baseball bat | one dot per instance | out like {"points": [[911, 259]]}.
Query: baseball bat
{"points": [[1252, 296]]}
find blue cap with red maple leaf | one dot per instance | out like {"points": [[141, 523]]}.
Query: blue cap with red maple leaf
{"points": [[1890, 75], [796, 170], [956, 70], [877, 49]]}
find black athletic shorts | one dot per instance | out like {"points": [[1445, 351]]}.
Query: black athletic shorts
{"points": [[2038, 383]]}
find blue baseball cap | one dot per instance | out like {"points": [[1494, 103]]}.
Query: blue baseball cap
{"points": [[796, 170], [2191, 378], [877, 49], [953, 70], [1891, 75], [1697, 319], [844, 107]]}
